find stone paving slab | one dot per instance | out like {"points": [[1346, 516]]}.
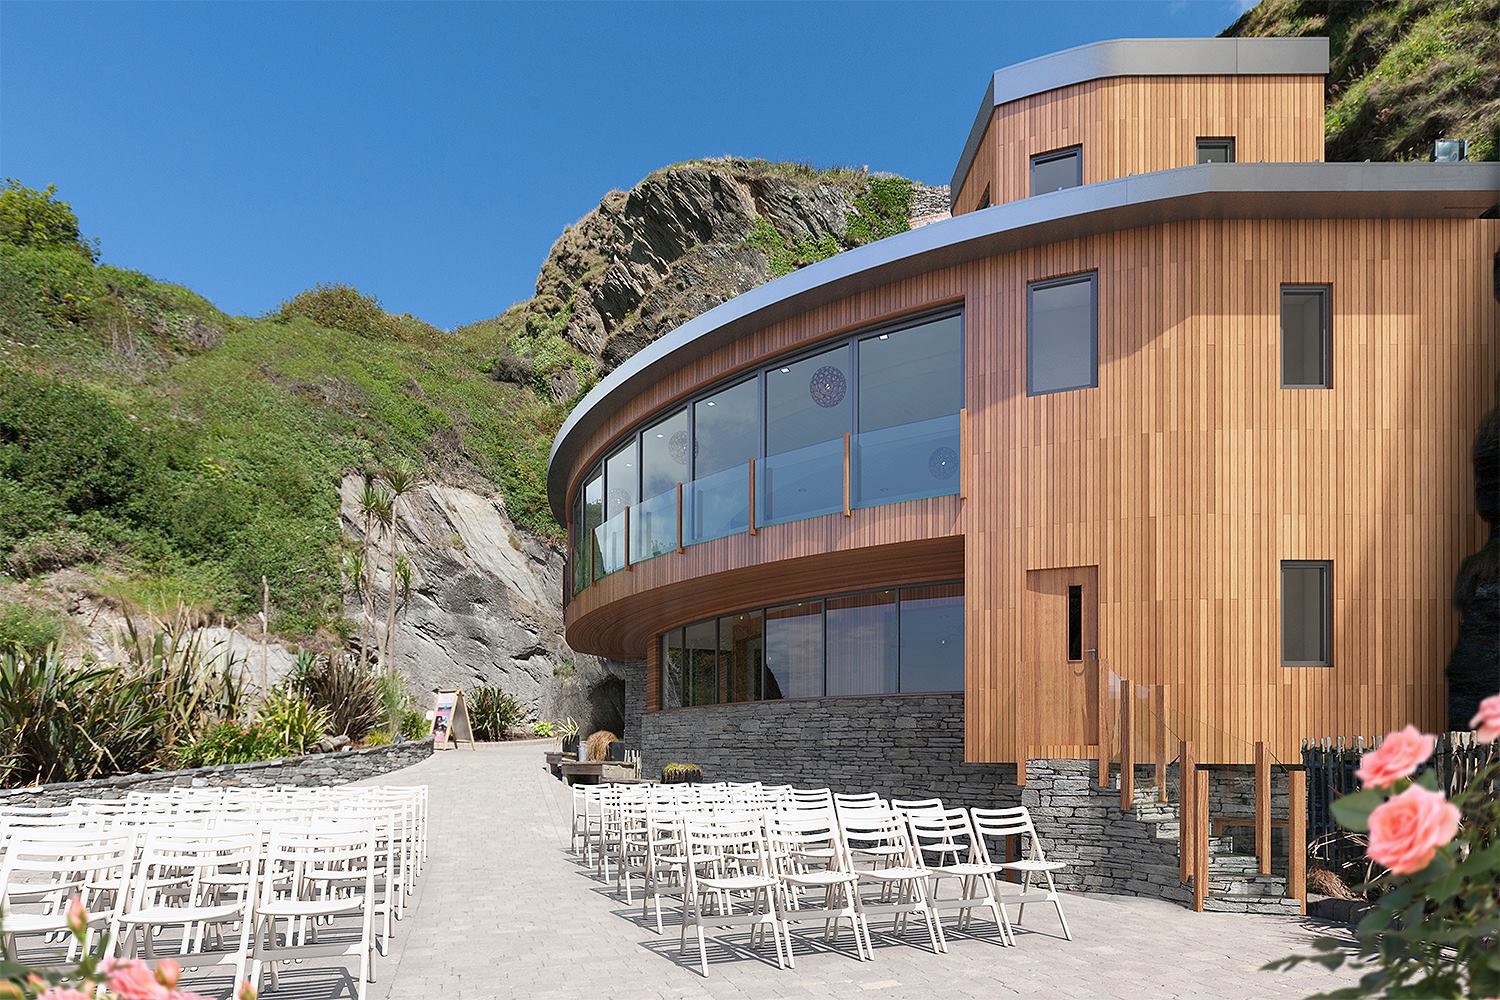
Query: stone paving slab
{"points": [[505, 911]]}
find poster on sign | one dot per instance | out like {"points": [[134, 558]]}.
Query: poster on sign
{"points": [[450, 720]]}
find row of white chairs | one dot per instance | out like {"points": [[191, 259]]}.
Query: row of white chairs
{"points": [[241, 880], [764, 858]]}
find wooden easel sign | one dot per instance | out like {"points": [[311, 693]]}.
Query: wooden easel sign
{"points": [[450, 720]]}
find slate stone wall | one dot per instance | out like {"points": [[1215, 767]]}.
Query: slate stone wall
{"points": [[635, 702], [336, 768]]}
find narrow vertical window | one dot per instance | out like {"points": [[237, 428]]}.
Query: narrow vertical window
{"points": [[1075, 623], [1216, 150], [1306, 337], [1062, 335], [1306, 613], [671, 669], [1061, 168]]}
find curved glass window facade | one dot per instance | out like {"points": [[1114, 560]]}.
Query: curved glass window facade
{"points": [[881, 403], [899, 640]]}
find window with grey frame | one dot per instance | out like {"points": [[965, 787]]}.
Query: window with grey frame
{"points": [[1056, 170], [1306, 336], [1220, 150], [1062, 334], [1306, 613]]}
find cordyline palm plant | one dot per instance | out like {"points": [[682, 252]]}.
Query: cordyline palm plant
{"points": [[400, 480], [350, 691], [196, 681], [374, 508]]}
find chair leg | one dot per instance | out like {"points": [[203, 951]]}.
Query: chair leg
{"points": [[1057, 904]]}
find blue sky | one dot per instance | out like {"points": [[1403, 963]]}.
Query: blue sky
{"points": [[431, 153]]}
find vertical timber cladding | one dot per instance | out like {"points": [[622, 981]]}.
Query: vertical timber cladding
{"points": [[1137, 124], [1188, 474]]}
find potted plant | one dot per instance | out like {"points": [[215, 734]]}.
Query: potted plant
{"points": [[568, 730], [597, 745], [675, 773]]}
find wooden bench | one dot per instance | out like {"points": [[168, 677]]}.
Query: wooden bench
{"points": [[594, 772], [556, 759]]}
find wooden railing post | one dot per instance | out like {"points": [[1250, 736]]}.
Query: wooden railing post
{"points": [[679, 517], [1161, 743], [752, 496], [627, 539], [963, 453], [1102, 716], [1200, 838], [1127, 745], [1296, 838], [848, 511], [1187, 766], [1263, 807]]}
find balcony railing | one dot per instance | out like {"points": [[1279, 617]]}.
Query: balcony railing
{"points": [[912, 461]]}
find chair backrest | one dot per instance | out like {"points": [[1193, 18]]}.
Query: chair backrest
{"points": [[64, 863], [944, 836], [917, 805], [792, 837], [815, 798], [1014, 822], [866, 829], [179, 865], [320, 851], [711, 841]]}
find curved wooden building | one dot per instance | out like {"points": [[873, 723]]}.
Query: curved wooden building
{"points": [[1170, 413]]}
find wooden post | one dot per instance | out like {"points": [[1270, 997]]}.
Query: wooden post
{"points": [[1296, 838], [752, 496], [1187, 764], [1263, 807], [1127, 746], [1102, 717], [265, 629], [1161, 743], [679, 517], [848, 511], [1200, 838], [627, 538]]}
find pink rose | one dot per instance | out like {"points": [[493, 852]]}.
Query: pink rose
{"points": [[65, 993], [1406, 830], [78, 916], [133, 979], [1487, 723], [1398, 757]]}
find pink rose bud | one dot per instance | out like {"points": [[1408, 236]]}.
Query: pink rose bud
{"points": [[1487, 723], [168, 972], [78, 916], [1406, 830], [1398, 757], [247, 991]]}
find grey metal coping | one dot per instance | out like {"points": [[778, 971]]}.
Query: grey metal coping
{"points": [[1139, 57], [1208, 191]]}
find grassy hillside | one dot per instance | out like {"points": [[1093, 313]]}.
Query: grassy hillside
{"points": [[180, 452], [1401, 73]]}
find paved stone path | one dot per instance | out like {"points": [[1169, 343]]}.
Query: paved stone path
{"points": [[505, 911]]}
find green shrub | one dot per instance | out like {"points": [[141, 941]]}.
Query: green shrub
{"points": [[28, 629], [378, 738], [32, 218], [393, 702], [195, 682], [346, 308], [46, 551], [61, 721], [414, 725], [543, 729], [350, 693], [294, 720], [492, 713], [231, 743]]}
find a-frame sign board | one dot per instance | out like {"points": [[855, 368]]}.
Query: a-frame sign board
{"points": [[450, 720]]}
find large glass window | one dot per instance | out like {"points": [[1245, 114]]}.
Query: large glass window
{"points": [[1062, 335], [911, 387], [580, 553], [808, 409], [664, 455], [619, 493], [593, 516], [725, 437], [1306, 613], [671, 669], [1306, 337], [741, 656], [794, 650], [1062, 168], [862, 650], [701, 647], [932, 638]]}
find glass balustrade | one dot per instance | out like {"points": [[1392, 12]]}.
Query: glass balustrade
{"points": [[609, 539], [716, 505], [910, 461], [802, 483], [906, 462], [653, 526]]}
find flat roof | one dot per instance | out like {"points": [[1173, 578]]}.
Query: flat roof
{"points": [[1139, 57], [1206, 191]]}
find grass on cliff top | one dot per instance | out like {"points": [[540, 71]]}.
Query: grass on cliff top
{"points": [[1401, 74]]}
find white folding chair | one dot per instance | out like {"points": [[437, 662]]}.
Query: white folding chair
{"points": [[1017, 822], [882, 836], [44, 868], [717, 872], [951, 849], [809, 856]]}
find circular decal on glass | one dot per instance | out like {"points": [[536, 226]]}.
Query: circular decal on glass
{"points": [[942, 462], [677, 447], [827, 387], [618, 499]]}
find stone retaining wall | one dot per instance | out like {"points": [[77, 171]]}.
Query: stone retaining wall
{"points": [[338, 768], [907, 746]]}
